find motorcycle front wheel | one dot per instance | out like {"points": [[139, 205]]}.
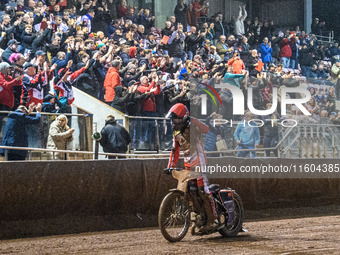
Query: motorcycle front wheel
{"points": [[230, 231], [174, 217]]}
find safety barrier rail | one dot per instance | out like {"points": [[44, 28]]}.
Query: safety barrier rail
{"points": [[328, 39], [75, 155], [37, 134]]}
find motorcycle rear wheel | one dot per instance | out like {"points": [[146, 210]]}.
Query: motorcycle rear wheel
{"points": [[230, 231], [174, 217]]}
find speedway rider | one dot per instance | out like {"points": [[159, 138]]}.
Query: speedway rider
{"points": [[185, 126]]}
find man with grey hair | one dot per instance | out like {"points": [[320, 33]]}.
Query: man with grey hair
{"points": [[139, 35], [112, 80], [167, 31], [133, 74], [222, 48]]}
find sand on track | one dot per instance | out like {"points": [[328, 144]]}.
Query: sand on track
{"points": [[312, 235]]}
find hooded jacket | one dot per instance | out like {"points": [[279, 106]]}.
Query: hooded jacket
{"points": [[59, 138], [112, 79], [119, 102], [286, 50]]}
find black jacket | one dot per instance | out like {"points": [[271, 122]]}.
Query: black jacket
{"points": [[193, 42], [175, 48], [6, 54], [27, 40], [119, 101], [250, 64], [134, 104], [270, 128], [306, 59], [219, 29], [115, 138], [130, 77]]}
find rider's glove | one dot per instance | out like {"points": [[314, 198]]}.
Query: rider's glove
{"points": [[167, 171]]}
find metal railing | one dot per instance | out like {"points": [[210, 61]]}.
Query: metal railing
{"points": [[149, 133], [37, 134], [75, 155], [328, 39], [312, 141], [303, 141]]}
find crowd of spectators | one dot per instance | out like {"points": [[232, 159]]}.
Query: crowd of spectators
{"points": [[114, 52]]}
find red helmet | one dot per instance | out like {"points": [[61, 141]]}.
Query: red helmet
{"points": [[179, 116], [178, 111]]}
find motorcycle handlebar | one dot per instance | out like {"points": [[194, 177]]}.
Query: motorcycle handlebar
{"points": [[169, 170]]}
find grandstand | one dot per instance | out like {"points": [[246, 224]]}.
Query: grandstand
{"points": [[92, 60]]}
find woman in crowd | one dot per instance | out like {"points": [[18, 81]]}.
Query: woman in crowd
{"points": [[6, 86], [60, 136]]}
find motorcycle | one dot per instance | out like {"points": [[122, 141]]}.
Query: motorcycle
{"points": [[183, 207]]}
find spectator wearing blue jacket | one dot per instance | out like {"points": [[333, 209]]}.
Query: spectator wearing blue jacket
{"points": [[266, 52], [247, 136], [216, 132], [61, 60], [186, 69], [334, 50], [15, 130], [321, 73]]}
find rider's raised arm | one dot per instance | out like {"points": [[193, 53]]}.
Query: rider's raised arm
{"points": [[200, 125]]}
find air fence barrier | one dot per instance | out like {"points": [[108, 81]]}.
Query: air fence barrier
{"points": [[57, 197]]}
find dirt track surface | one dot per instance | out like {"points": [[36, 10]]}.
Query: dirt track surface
{"points": [[315, 235]]}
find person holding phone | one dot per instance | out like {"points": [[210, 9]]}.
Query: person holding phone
{"points": [[17, 69], [7, 82]]}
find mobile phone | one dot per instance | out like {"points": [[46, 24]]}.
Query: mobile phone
{"points": [[16, 72]]}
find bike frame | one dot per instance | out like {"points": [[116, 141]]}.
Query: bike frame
{"points": [[183, 177]]}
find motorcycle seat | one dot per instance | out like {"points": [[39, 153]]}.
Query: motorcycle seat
{"points": [[214, 188]]}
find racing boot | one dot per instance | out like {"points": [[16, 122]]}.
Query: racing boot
{"points": [[210, 210]]}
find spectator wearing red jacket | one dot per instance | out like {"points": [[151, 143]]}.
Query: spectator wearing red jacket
{"points": [[147, 136], [112, 80], [237, 63], [6, 87], [149, 106], [285, 53], [123, 9]]}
